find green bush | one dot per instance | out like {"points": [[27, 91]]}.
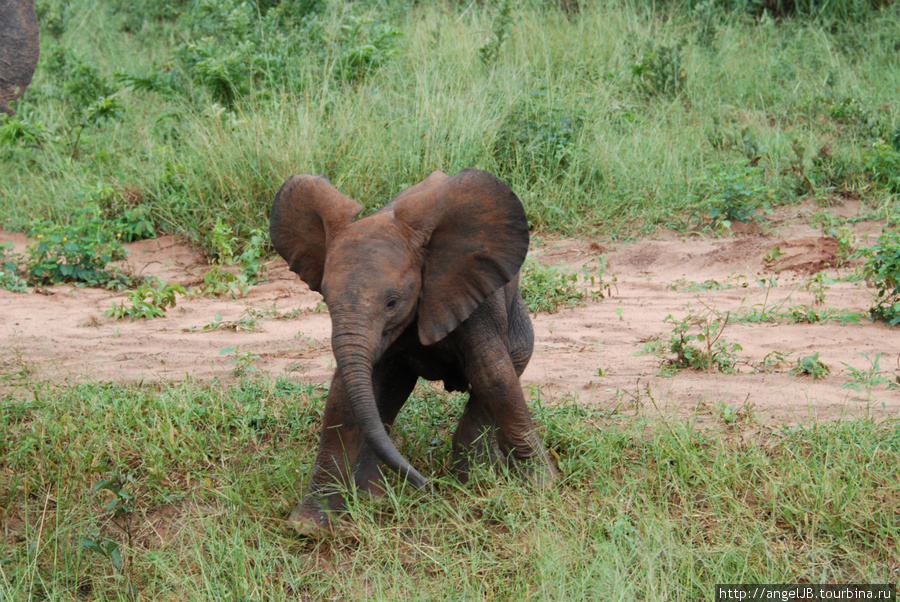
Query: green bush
{"points": [[77, 251], [539, 137], [883, 165], [882, 269], [9, 271], [733, 192], [659, 71]]}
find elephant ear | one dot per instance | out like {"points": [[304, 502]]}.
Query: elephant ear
{"points": [[475, 235], [307, 213], [433, 179], [19, 49]]}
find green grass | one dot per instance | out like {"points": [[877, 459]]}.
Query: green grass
{"points": [[645, 507], [377, 95]]}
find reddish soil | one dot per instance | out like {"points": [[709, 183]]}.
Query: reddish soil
{"points": [[592, 354]]}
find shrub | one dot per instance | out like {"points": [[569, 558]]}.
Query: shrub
{"points": [[729, 193], [366, 44], [658, 71], [882, 269], [539, 137], [883, 164], [9, 271], [77, 251]]}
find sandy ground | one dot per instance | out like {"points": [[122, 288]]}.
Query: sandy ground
{"points": [[592, 354]]}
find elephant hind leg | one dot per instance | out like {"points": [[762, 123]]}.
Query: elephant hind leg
{"points": [[495, 382]]}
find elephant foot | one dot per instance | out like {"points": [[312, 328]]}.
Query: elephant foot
{"points": [[540, 472], [315, 515]]}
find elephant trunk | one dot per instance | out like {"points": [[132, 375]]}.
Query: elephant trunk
{"points": [[354, 354]]}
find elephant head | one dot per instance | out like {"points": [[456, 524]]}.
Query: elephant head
{"points": [[19, 49], [419, 266]]}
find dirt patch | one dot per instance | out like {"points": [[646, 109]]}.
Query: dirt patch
{"points": [[596, 354]]}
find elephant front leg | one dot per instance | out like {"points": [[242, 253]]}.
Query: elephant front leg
{"points": [[392, 382], [339, 447], [475, 439], [496, 389]]}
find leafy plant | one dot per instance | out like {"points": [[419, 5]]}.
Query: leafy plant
{"points": [[697, 343], [818, 284], [146, 301], [733, 192], [77, 251], [252, 266], [91, 97], [870, 377], [658, 71], [811, 365], [120, 511], [500, 30], [883, 165], [882, 269], [218, 282], [242, 360], [539, 137], [9, 271], [225, 71], [18, 130], [366, 45], [220, 243]]}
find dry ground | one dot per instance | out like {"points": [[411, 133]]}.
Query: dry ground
{"points": [[591, 353]]}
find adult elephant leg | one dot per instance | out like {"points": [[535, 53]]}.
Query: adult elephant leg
{"points": [[493, 377], [339, 447], [475, 439], [393, 381]]}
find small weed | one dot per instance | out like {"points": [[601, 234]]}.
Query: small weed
{"points": [[773, 361], [798, 314], [218, 282], [818, 285], [811, 365], [697, 343], [683, 285], [120, 512], [9, 271], [146, 301], [869, 378], [242, 360], [246, 323], [773, 255]]}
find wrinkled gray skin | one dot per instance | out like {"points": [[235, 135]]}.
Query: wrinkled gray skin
{"points": [[19, 49], [425, 287]]}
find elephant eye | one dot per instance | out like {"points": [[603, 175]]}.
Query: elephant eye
{"points": [[391, 304]]}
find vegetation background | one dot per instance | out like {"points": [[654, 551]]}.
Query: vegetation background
{"points": [[609, 118]]}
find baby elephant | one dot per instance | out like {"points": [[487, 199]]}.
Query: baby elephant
{"points": [[425, 287]]}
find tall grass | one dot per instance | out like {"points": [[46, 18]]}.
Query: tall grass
{"points": [[647, 507], [589, 145]]}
